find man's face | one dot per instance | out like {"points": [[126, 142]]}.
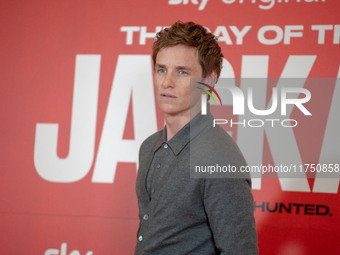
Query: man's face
{"points": [[173, 69]]}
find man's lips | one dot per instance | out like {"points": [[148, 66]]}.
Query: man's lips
{"points": [[167, 95]]}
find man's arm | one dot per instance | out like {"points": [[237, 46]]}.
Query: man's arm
{"points": [[229, 207]]}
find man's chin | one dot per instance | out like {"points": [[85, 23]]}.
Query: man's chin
{"points": [[171, 112], [174, 111]]}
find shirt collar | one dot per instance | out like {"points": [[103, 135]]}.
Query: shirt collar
{"points": [[186, 134]]}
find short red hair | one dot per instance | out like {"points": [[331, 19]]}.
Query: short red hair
{"points": [[192, 35]]}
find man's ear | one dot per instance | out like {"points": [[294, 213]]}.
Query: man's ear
{"points": [[211, 79]]}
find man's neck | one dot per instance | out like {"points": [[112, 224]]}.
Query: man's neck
{"points": [[175, 123]]}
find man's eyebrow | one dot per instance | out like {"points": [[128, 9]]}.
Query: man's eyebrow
{"points": [[177, 67], [183, 67], [160, 66]]}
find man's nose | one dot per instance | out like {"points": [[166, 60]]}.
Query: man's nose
{"points": [[168, 80]]}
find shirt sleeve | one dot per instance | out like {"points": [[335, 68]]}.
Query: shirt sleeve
{"points": [[229, 206]]}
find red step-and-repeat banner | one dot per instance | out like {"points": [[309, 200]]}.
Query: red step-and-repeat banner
{"points": [[77, 100]]}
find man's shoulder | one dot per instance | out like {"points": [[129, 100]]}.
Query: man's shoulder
{"points": [[216, 145], [216, 137]]}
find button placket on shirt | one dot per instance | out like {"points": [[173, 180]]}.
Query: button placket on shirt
{"points": [[146, 217]]}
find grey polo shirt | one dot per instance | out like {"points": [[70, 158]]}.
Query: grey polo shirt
{"points": [[183, 215]]}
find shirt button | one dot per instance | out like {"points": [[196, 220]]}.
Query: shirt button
{"points": [[153, 191], [165, 146], [145, 217], [158, 165], [140, 238]]}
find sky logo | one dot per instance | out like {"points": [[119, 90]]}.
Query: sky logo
{"points": [[63, 251], [201, 6]]}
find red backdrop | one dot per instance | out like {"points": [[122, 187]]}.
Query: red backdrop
{"points": [[73, 117]]}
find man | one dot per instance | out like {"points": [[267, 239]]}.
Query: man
{"points": [[180, 214]]}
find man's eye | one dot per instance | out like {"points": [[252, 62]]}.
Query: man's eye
{"points": [[183, 72], [161, 70]]}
